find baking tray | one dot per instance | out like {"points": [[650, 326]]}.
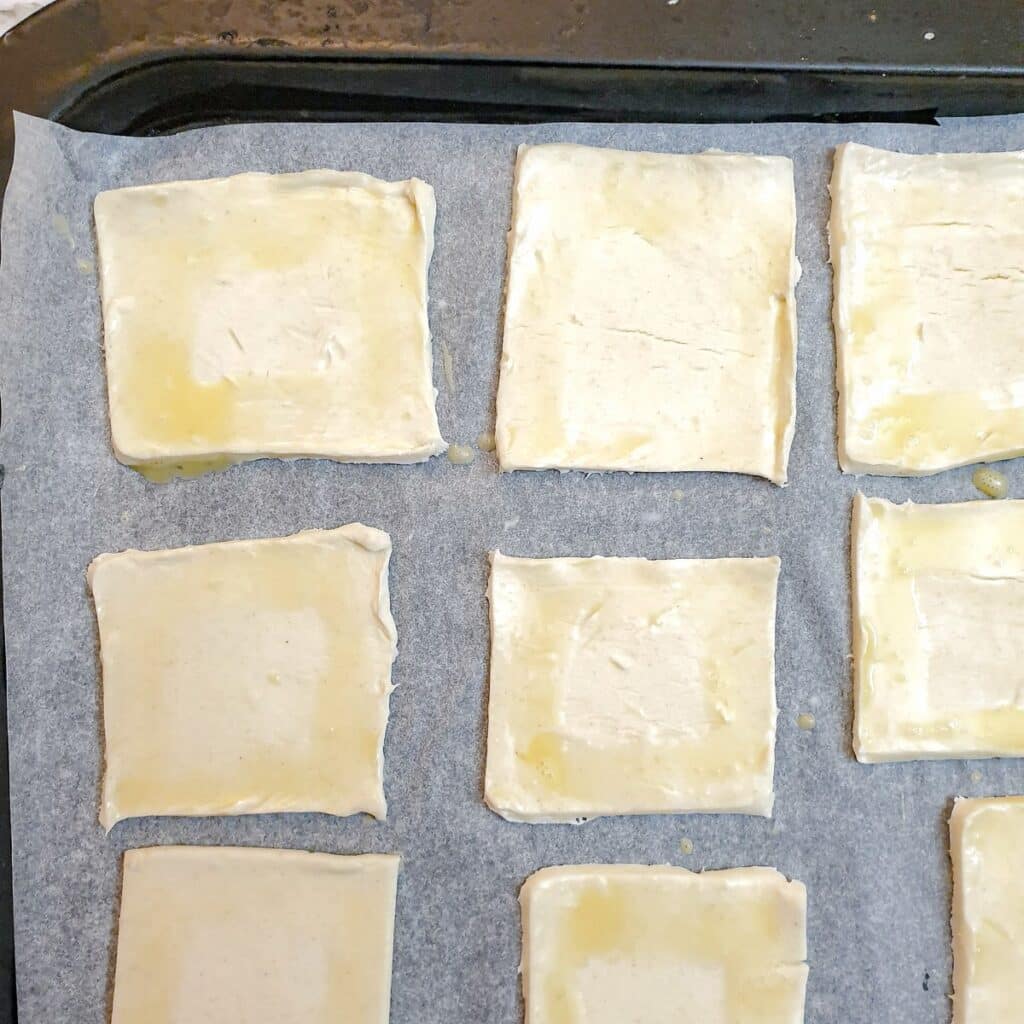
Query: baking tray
{"points": [[144, 67]]}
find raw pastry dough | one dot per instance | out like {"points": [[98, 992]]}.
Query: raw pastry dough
{"points": [[628, 686], [214, 935], [650, 320], [610, 944], [938, 620], [929, 299], [268, 315], [246, 677], [986, 840]]}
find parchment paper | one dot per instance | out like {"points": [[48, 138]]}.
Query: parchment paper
{"points": [[869, 842]]}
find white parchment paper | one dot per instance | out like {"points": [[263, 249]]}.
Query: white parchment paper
{"points": [[869, 842]]}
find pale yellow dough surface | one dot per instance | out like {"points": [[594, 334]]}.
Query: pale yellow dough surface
{"points": [[938, 595], [986, 840], [929, 299], [625, 944], [212, 935], [245, 677], [650, 321], [629, 686], [268, 315]]}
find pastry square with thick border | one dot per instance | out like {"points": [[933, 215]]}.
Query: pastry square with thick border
{"points": [[246, 677], [986, 837], [650, 320], [938, 610], [216, 934], [929, 299], [607, 944], [631, 686], [267, 315]]}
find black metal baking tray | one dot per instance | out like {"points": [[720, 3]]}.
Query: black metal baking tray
{"points": [[146, 67]]}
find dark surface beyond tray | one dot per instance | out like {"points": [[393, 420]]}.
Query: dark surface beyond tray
{"points": [[147, 66]]}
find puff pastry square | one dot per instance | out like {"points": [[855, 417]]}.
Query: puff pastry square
{"points": [[628, 686], [650, 318], [607, 944], [929, 299], [267, 315], [938, 620], [212, 934], [246, 677], [986, 839]]}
